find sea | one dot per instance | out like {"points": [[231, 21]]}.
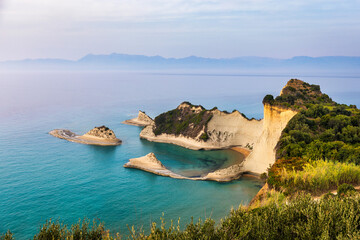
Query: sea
{"points": [[43, 177]]}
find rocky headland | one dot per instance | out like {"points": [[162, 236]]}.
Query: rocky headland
{"points": [[102, 136], [141, 120], [196, 128]]}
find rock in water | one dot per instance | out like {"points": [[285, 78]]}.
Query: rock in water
{"points": [[102, 132], [141, 120], [102, 136]]}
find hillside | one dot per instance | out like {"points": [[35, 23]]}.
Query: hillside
{"points": [[253, 65]]}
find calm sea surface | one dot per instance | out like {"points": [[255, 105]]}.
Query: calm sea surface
{"points": [[42, 177]]}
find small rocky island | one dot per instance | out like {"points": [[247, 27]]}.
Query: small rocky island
{"points": [[102, 136], [141, 120]]}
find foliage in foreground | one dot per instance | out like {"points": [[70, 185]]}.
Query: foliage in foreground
{"points": [[302, 218], [315, 176]]}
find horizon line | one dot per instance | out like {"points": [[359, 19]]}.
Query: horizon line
{"points": [[176, 58]]}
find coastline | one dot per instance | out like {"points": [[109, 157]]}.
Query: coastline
{"points": [[149, 163]]}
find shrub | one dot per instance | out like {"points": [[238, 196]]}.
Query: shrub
{"points": [[344, 189], [7, 236], [318, 176], [269, 99], [204, 136], [263, 176], [80, 230]]}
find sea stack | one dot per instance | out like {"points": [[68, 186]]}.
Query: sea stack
{"points": [[141, 120]]}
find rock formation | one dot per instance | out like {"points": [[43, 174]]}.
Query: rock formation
{"points": [[141, 120], [196, 128], [101, 132], [102, 136], [150, 163]]}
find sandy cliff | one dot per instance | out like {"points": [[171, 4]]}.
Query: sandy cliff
{"points": [[224, 130], [263, 154]]}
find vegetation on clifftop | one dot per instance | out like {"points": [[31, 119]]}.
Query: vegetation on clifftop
{"points": [[187, 119], [322, 135], [296, 94]]}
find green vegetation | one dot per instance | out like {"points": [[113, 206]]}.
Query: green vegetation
{"points": [[268, 99], [316, 177], [332, 217], [188, 121], [345, 189], [319, 133], [80, 230], [297, 93], [323, 134]]}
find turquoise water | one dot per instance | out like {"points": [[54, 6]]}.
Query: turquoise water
{"points": [[43, 177]]}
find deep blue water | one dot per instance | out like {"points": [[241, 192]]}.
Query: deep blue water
{"points": [[43, 177]]}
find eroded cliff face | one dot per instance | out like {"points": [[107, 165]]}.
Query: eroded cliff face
{"points": [[223, 130], [263, 154], [226, 130]]}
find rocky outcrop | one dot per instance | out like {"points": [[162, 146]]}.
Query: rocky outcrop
{"points": [[150, 163], [101, 132], [102, 136], [141, 120]]}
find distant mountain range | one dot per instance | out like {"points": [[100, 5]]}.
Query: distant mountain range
{"points": [[303, 64]]}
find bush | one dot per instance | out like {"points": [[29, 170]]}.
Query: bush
{"points": [[80, 230], [345, 189], [269, 99], [204, 137], [263, 176], [7, 236], [314, 177]]}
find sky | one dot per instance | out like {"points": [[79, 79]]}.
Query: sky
{"points": [[70, 29]]}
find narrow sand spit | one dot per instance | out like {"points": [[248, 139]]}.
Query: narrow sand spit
{"points": [[84, 139], [150, 163]]}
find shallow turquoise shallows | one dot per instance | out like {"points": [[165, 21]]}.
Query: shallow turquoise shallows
{"points": [[42, 177]]}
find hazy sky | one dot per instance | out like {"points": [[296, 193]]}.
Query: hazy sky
{"points": [[178, 28]]}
